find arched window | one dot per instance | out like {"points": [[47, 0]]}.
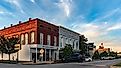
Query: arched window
{"points": [[32, 37], [22, 38], [48, 39], [26, 38], [41, 38], [55, 40]]}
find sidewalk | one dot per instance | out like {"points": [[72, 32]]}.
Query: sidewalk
{"points": [[37, 63]]}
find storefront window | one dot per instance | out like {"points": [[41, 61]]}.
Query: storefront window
{"points": [[41, 38]]}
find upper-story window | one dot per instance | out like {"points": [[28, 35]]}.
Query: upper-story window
{"points": [[73, 45], [77, 45], [55, 40], [26, 38], [61, 42], [32, 37], [41, 38], [22, 39], [48, 39], [66, 41]]}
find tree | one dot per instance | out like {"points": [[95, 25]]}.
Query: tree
{"points": [[96, 55], [113, 54], [83, 44], [7, 45], [104, 54], [66, 51]]}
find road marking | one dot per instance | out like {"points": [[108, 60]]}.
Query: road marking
{"points": [[100, 65]]}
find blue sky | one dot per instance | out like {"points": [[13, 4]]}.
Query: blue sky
{"points": [[98, 20]]}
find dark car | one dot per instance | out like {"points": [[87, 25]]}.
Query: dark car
{"points": [[75, 57]]}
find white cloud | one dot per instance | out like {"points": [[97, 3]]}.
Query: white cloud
{"points": [[1, 12], [107, 14], [65, 5], [114, 27], [16, 3], [33, 1]]}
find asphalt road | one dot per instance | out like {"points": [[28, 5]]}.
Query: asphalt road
{"points": [[93, 64]]}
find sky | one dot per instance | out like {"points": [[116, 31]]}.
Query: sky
{"points": [[98, 20]]}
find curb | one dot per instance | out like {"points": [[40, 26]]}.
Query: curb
{"points": [[36, 63], [115, 67]]}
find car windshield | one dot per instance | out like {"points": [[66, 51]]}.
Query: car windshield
{"points": [[76, 54]]}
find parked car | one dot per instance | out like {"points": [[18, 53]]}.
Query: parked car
{"points": [[107, 58], [76, 57], [88, 59]]}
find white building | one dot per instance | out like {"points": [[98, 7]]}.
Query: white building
{"points": [[67, 36]]}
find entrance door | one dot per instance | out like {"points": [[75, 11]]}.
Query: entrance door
{"points": [[47, 54], [33, 56], [55, 55]]}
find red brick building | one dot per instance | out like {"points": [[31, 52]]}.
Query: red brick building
{"points": [[35, 35]]}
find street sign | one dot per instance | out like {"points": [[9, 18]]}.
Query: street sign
{"points": [[42, 51]]}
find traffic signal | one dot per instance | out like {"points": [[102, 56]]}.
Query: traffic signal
{"points": [[17, 47]]}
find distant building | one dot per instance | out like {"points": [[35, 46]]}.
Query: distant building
{"points": [[101, 49]]}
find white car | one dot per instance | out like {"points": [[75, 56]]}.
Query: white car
{"points": [[107, 58], [88, 59]]}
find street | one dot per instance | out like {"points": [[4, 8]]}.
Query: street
{"points": [[93, 64]]}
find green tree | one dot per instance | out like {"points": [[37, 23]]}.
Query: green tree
{"points": [[83, 44], [7, 45], [113, 54], [96, 55], [66, 51], [104, 54]]}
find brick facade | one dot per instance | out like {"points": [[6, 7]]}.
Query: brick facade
{"points": [[33, 25]]}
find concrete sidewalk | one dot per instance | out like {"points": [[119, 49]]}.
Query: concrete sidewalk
{"points": [[37, 63]]}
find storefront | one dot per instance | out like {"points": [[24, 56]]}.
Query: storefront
{"points": [[43, 53]]}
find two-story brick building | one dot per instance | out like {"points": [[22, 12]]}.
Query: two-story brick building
{"points": [[35, 35]]}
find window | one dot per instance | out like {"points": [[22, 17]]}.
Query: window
{"points": [[26, 38], [76, 44], [41, 38], [22, 38], [73, 44], [32, 37], [55, 40], [61, 42], [48, 39], [66, 41]]}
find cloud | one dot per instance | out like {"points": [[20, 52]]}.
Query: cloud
{"points": [[16, 3], [114, 27], [33, 1], [1, 12], [90, 30], [107, 14], [65, 5]]}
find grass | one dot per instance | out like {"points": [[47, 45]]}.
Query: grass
{"points": [[119, 64]]}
